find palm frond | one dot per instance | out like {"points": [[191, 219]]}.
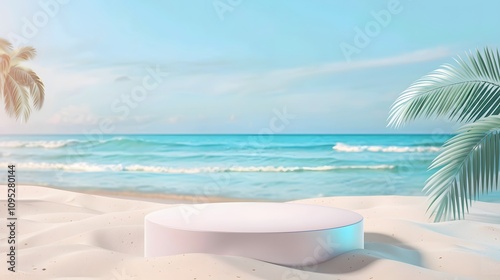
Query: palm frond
{"points": [[464, 92], [21, 76], [28, 78], [22, 54], [2, 81], [469, 165], [9, 97], [5, 45], [37, 90], [4, 63], [21, 87], [16, 98]]}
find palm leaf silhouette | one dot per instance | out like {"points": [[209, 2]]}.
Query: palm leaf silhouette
{"points": [[469, 166], [20, 87], [23, 54], [5, 45], [463, 92], [467, 92]]}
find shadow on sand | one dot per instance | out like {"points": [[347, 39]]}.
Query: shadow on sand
{"points": [[377, 246]]}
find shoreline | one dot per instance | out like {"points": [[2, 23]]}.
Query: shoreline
{"points": [[163, 198]]}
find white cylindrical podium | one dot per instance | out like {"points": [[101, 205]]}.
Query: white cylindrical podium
{"points": [[282, 233]]}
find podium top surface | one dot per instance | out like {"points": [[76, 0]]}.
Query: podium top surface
{"points": [[253, 217]]}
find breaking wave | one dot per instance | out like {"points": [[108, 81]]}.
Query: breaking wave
{"points": [[86, 167], [341, 147]]}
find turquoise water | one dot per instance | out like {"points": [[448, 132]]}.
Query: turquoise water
{"points": [[278, 167]]}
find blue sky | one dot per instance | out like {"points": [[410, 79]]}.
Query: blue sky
{"points": [[236, 66]]}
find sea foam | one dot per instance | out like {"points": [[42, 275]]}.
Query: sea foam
{"points": [[82, 166], [341, 147], [37, 144]]}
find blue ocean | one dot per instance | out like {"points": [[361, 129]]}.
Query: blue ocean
{"points": [[271, 167]]}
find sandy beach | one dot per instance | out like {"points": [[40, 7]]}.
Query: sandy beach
{"points": [[70, 235]]}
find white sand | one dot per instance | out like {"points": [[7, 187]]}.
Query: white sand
{"points": [[67, 235]]}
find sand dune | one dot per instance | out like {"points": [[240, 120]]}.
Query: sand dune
{"points": [[69, 235]]}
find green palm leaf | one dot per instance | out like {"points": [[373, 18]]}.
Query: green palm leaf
{"points": [[470, 165], [464, 92]]}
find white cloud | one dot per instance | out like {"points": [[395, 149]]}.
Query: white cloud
{"points": [[61, 80], [344, 66], [280, 79], [74, 115], [98, 89]]}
